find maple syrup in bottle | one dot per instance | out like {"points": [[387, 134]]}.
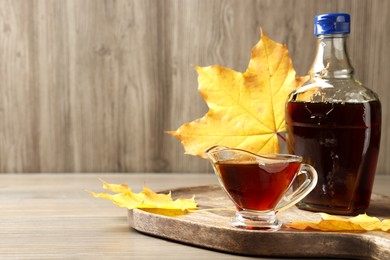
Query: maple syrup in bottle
{"points": [[334, 123]]}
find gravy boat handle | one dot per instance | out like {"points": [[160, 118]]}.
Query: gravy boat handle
{"points": [[302, 191]]}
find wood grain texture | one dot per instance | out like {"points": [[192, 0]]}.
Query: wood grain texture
{"points": [[91, 86], [212, 229], [51, 216]]}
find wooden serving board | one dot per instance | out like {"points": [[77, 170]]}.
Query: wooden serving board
{"points": [[211, 229]]}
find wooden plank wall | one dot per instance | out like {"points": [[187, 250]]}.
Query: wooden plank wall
{"points": [[91, 85]]}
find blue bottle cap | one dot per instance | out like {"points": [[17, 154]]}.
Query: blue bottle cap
{"points": [[333, 23]]}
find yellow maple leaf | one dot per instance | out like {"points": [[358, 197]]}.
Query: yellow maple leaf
{"points": [[246, 110], [147, 200], [360, 223]]}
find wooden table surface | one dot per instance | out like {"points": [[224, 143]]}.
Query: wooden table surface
{"points": [[52, 216]]}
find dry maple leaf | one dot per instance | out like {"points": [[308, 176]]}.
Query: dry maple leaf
{"points": [[334, 223], [246, 110], [147, 200]]}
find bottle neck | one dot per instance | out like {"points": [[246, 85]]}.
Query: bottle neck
{"points": [[332, 61]]}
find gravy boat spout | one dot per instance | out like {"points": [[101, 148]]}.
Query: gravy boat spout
{"points": [[219, 153]]}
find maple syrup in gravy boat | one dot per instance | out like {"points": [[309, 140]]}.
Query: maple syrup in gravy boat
{"points": [[258, 184]]}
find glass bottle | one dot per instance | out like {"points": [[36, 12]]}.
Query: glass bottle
{"points": [[334, 123]]}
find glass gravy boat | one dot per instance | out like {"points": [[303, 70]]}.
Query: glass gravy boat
{"points": [[261, 186]]}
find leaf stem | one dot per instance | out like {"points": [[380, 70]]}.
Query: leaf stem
{"points": [[281, 137]]}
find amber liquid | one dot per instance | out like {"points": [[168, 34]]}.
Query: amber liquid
{"points": [[255, 187], [341, 141]]}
